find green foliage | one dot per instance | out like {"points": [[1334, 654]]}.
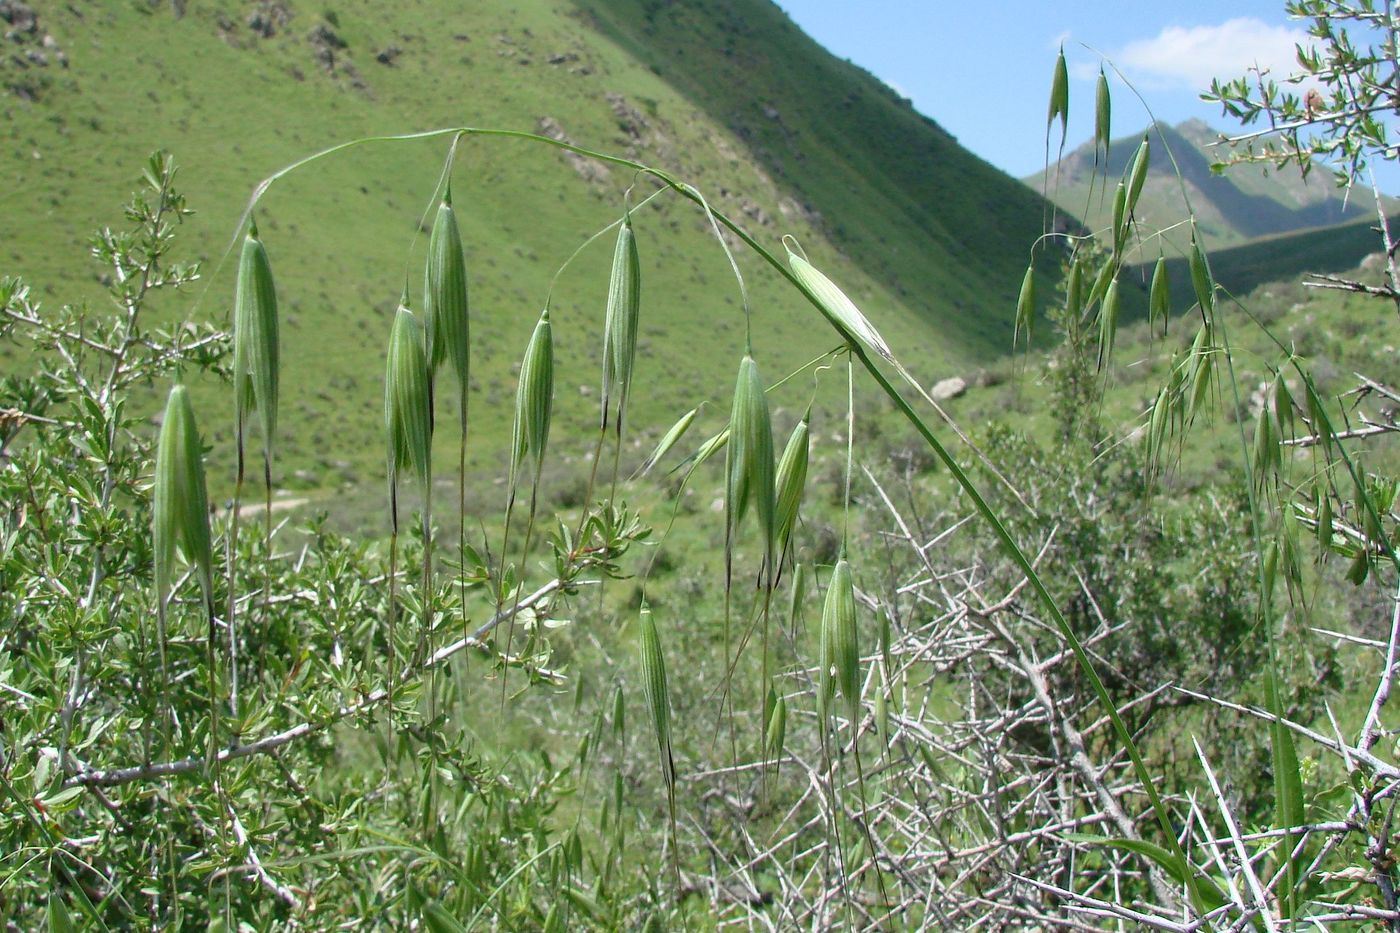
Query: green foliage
{"points": [[352, 791]]}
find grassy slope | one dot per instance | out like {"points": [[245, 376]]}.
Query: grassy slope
{"points": [[923, 248], [1267, 260]]}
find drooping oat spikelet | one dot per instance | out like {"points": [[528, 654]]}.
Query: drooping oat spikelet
{"points": [[1059, 95], [834, 301], [656, 693], [408, 420], [255, 344], [620, 324], [447, 335], [1103, 108], [1121, 217], [1267, 453], [777, 725], [796, 596], [180, 510], [447, 330], [791, 483], [712, 445], [750, 468], [1201, 370], [1137, 174], [839, 653], [180, 523], [534, 400], [1025, 307], [1074, 288], [1108, 322], [1325, 527], [534, 403], [408, 433], [1284, 407], [670, 439], [256, 370], [1201, 279], [1159, 295]]}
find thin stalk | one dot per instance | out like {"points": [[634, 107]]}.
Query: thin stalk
{"points": [[393, 590], [230, 558]]}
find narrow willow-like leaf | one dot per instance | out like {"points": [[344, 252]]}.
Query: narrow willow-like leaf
{"points": [[750, 473], [1025, 306], [1103, 108], [1137, 174], [839, 652], [670, 439], [1059, 95], [1159, 296], [834, 301], [408, 421], [447, 329], [180, 510], [255, 343], [792, 482], [534, 399], [620, 324]]}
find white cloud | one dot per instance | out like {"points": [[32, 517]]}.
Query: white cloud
{"points": [[1192, 56]]}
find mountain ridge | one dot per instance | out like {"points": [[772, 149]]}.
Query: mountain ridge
{"points": [[1242, 203]]}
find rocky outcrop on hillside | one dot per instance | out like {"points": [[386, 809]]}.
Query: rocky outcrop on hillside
{"points": [[29, 51]]}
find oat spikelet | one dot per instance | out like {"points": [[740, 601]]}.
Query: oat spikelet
{"points": [[256, 365], [408, 420], [750, 468], [620, 325], [180, 510], [447, 331], [839, 652], [534, 400]]}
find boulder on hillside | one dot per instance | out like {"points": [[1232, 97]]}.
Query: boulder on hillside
{"points": [[952, 387]]}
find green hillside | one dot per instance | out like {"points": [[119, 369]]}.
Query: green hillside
{"points": [[728, 95], [1267, 260]]}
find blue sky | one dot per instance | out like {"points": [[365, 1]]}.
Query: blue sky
{"points": [[982, 70]]}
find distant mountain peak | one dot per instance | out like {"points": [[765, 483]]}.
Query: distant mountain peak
{"points": [[1241, 204]]}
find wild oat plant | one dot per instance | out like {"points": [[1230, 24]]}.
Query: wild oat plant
{"points": [[1058, 689]]}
